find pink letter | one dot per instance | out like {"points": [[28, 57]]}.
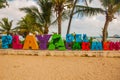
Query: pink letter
{"points": [[15, 42]]}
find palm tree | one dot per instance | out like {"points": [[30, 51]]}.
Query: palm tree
{"points": [[3, 3], [46, 7], [72, 11], [110, 8], [6, 26], [28, 25], [59, 8], [42, 14]]}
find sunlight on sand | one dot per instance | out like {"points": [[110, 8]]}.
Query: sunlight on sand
{"points": [[17, 67]]}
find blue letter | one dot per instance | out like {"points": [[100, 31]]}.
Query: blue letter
{"points": [[85, 38], [69, 38], [78, 38], [6, 40], [96, 46]]}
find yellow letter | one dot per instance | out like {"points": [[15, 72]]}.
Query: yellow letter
{"points": [[30, 42]]}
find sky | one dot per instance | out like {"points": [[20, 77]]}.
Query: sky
{"points": [[92, 26]]}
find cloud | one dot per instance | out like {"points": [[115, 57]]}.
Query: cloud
{"points": [[13, 12], [92, 26]]}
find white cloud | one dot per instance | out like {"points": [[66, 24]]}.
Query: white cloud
{"points": [[89, 25], [13, 12]]}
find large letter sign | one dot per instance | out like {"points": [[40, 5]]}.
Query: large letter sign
{"points": [[114, 45], [106, 46], [69, 38], [85, 39], [6, 41], [56, 43], [30, 42], [15, 42], [96, 46], [43, 41], [78, 38], [117, 45], [77, 46], [85, 45], [69, 45]]}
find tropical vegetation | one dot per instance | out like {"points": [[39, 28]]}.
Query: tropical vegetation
{"points": [[72, 12], [42, 14], [6, 26], [39, 18], [28, 25], [3, 3], [110, 8]]}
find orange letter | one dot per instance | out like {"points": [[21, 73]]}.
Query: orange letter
{"points": [[30, 42], [106, 45]]}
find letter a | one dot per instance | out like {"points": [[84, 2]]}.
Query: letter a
{"points": [[30, 42]]}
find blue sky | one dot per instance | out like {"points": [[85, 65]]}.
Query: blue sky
{"points": [[92, 26]]}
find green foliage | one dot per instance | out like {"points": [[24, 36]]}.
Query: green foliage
{"points": [[6, 26], [3, 3], [59, 9], [110, 8], [43, 16], [28, 24], [87, 11]]}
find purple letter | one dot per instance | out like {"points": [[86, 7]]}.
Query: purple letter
{"points": [[43, 39]]}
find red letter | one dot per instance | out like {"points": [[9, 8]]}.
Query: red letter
{"points": [[15, 42], [85, 46], [106, 46]]}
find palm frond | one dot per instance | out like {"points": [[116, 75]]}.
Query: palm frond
{"points": [[87, 11], [116, 8], [65, 16], [3, 3]]}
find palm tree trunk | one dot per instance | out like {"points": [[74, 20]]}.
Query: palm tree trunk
{"points": [[59, 22], [105, 30], [71, 16], [86, 3], [46, 30], [8, 32]]}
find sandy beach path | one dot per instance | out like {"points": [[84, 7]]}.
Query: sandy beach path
{"points": [[20, 67]]}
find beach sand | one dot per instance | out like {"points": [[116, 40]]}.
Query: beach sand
{"points": [[20, 67]]}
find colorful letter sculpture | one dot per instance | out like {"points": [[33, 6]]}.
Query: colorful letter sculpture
{"points": [[85, 38], [96, 46], [15, 42], [69, 45], [106, 46], [73, 41], [43, 41], [78, 38], [69, 38], [56, 43], [117, 45], [6, 41], [76, 46], [114, 45], [30, 42], [85, 45]]}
